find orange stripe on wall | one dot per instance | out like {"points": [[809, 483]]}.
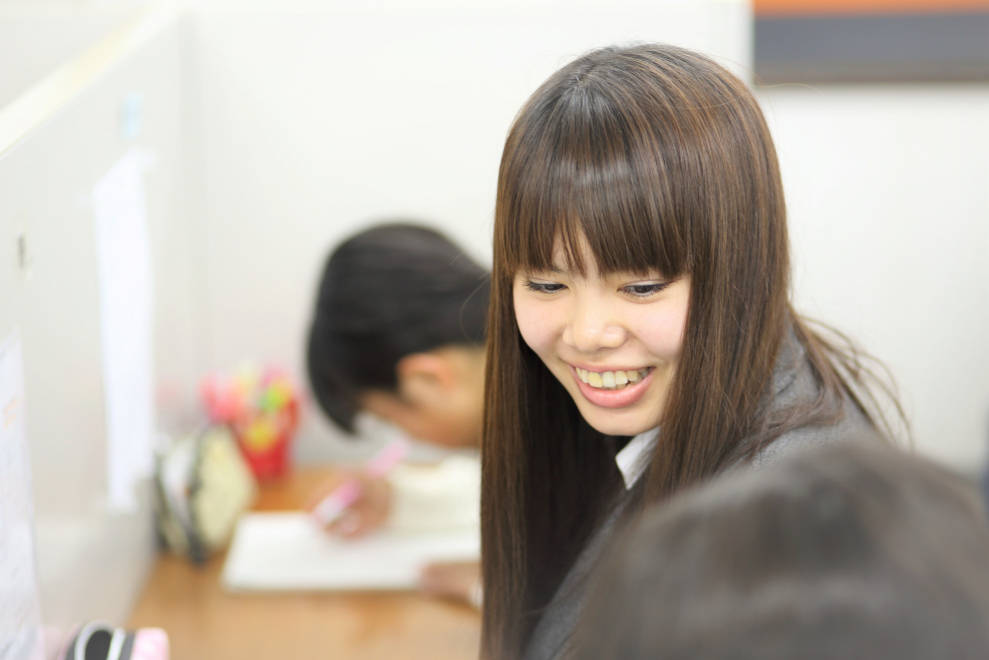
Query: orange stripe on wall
{"points": [[817, 7]]}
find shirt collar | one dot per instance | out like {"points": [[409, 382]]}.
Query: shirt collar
{"points": [[633, 457]]}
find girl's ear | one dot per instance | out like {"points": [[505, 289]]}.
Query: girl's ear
{"points": [[425, 377]]}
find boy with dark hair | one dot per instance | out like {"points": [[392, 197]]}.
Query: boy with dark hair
{"points": [[398, 332]]}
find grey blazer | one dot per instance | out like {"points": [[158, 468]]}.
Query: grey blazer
{"points": [[793, 382]]}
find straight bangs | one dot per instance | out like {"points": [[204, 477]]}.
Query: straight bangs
{"points": [[583, 171]]}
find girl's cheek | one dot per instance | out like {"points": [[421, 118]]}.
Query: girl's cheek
{"points": [[663, 334], [532, 325]]}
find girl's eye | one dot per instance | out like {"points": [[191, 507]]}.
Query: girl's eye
{"points": [[543, 287], [644, 290]]}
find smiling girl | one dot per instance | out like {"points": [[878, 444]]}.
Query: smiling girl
{"points": [[641, 337]]}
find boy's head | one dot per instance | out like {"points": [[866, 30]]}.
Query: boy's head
{"points": [[850, 551], [398, 331]]}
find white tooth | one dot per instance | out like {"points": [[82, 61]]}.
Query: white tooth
{"points": [[594, 379], [620, 378], [643, 372], [633, 376], [608, 378]]}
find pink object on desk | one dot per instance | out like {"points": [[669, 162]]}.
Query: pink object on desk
{"points": [[333, 505], [150, 644]]}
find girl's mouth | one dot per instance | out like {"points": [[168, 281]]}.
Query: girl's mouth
{"points": [[611, 380], [615, 388]]}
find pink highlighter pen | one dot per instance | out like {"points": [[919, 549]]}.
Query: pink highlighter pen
{"points": [[333, 505]]}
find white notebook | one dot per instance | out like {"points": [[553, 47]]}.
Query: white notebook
{"points": [[289, 552]]}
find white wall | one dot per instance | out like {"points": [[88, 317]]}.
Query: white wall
{"points": [[37, 36], [32, 46], [316, 119], [888, 195], [91, 559]]}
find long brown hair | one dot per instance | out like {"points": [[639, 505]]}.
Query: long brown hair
{"points": [[661, 160]]}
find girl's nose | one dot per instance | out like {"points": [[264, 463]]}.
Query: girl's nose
{"points": [[592, 328]]}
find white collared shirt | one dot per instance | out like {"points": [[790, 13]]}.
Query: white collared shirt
{"points": [[634, 457]]}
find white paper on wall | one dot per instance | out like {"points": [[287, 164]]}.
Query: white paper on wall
{"points": [[20, 618], [124, 254]]}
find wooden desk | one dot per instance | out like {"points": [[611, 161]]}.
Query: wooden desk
{"points": [[205, 622]]}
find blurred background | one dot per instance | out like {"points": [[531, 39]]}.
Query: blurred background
{"points": [[252, 136]]}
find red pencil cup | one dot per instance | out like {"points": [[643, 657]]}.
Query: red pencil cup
{"points": [[262, 410], [265, 440]]}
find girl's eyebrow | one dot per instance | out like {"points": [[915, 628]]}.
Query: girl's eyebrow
{"points": [[551, 269]]}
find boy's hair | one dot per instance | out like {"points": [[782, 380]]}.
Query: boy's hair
{"points": [[850, 551], [387, 292]]}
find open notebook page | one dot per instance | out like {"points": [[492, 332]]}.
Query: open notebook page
{"points": [[289, 552]]}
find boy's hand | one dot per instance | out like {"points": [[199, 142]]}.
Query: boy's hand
{"points": [[368, 512], [459, 580]]}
